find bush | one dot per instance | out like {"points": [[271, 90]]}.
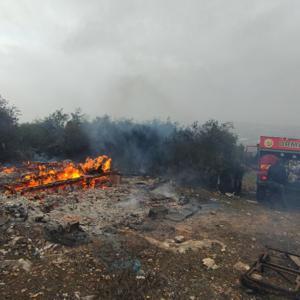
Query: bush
{"points": [[206, 154], [8, 130], [57, 136], [200, 154]]}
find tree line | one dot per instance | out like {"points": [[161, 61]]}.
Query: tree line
{"points": [[200, 153]]}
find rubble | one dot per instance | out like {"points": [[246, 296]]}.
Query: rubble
{"points": [[274, 272], [183, 247], [21, 263], [295, 259], [41, 218], [17, 211], [105, 243], [66, 234], [182, 213], [24, 264], [179, 238], [209, 263], [89, 297], [241, 267], [157, 212]]}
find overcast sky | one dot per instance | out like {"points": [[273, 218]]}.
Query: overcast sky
{"points": [[234, 60]]}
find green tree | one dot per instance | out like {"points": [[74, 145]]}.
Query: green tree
{"points": [[76, 141], [8, 130], [54, 128]]}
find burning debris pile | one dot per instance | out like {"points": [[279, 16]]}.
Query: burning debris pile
{"points": [[33, 176]]}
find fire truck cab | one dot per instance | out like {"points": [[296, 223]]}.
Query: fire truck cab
{"points": [[270, 151]]}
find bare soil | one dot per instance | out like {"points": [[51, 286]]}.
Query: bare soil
{"points": [[133, 256]]}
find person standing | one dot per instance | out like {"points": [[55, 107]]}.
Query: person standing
{"points": [[277, 180]]}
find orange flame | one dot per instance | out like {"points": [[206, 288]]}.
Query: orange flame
{"points": [[44, 174], [100, 163], [8, 170]]}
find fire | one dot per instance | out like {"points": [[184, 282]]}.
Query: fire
{"points": [[88, 174], [100, 163], [47, 175], [8, 170]]}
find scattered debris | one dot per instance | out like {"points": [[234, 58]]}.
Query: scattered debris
{"points": [[257, 276], [16, 210], [66, 234], [24, 264], [179, 238], [295, 259], [183, 200], [133, 265], [157, 212], [252, 201], [89, 297], [179, 214], [185, 246], [210, 263], [132, 255], [275, 272], [41, 219], [241, 267], [214, 199], [16, 264], [230, 195]]}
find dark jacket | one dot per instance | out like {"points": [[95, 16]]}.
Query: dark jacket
{"points": [[278, 174]]}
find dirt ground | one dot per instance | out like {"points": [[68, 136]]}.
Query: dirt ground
{"points": [[127, 254]]}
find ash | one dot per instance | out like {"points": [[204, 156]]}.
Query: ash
{"points": [[134, 240]]}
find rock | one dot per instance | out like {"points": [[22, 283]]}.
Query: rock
{"points": [[256, 276], [157, 212], [89, 297], [133, 265], [41, 218], [210, 263], [230, 195], [15, 240], [3, 220], [17, 264], [295, 259], [3, 252], [183, 200], [241, 267], [183, 213], [25, 264], [17, 211], [6, 263], [66, 234], [36, 295], [110, 230], [213, 199], [190, 245], [252, 202], [179, 238]]}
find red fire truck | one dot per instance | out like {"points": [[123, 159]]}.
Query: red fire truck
{"points": [[270, 151]]}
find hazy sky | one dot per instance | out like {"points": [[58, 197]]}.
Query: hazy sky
{"points": [[236, 60]]}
